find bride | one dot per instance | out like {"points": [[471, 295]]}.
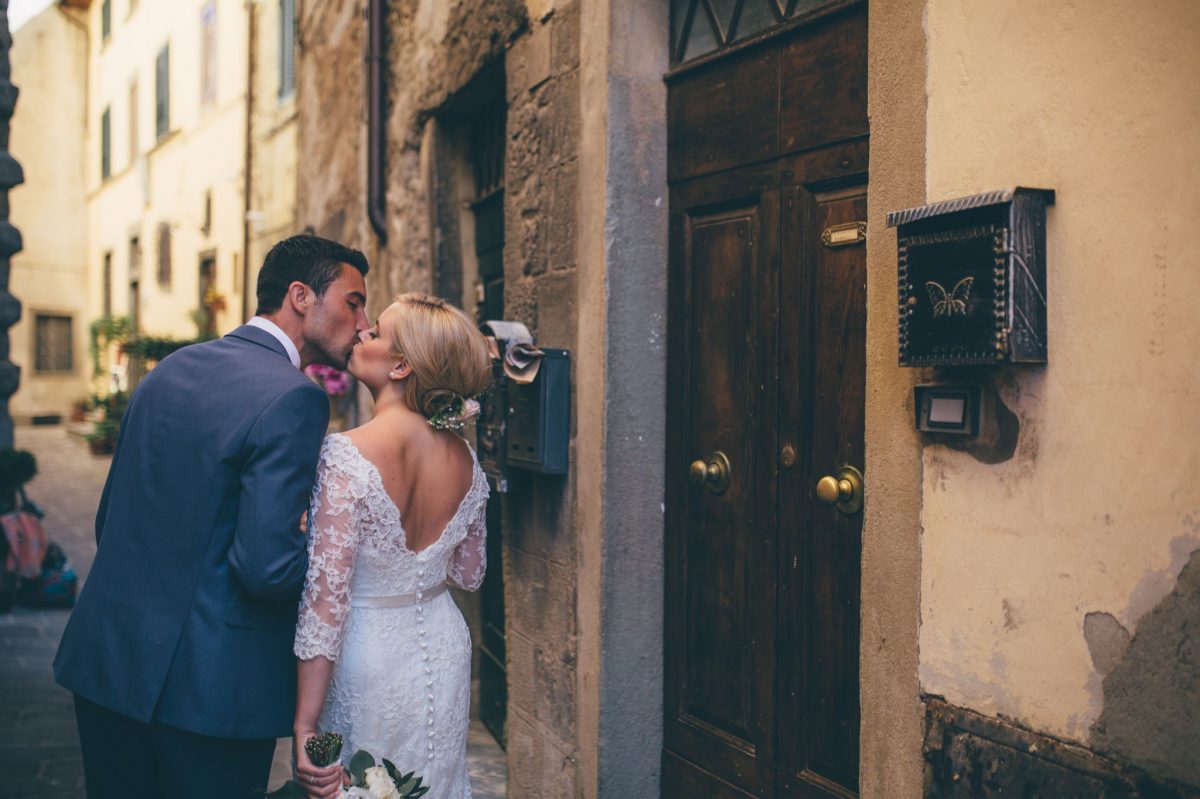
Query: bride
{"points": [[397, 515]]}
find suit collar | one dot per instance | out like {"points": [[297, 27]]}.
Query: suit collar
{"points": [[260, 337]]}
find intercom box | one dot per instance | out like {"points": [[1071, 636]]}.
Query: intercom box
{"points": [[972, 279], [538, 427]]}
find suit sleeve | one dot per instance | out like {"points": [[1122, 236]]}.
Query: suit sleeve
{"points": [[268, 556]]}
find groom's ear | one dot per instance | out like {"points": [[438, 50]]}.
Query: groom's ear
{"points": [[300, 296]]}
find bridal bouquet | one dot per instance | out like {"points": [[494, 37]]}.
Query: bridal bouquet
{"points": [[367, 779]]}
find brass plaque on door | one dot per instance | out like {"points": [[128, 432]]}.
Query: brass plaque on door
{"points": [[845, 234]]}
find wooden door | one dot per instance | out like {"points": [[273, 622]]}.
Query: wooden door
{"points": [[766, 360]]}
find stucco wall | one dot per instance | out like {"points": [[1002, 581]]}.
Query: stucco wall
{"points": [[49, 63], [1099, 509]]}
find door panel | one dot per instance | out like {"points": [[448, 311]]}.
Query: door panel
{"points": [[823, 84], [822, 382], [724, 116], [719, 712], [766, 361]]}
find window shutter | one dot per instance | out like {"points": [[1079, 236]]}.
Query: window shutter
{"points": [[162, 92], [106, 144], [53, 344], [164, 254], [287, 48]]}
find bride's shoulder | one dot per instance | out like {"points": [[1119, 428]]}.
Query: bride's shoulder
{"points": [[337, 452]]}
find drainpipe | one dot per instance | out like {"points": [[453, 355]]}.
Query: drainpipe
{"points": [[248, 179], [376, 60]]}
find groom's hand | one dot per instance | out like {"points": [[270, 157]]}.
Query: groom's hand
{"points": [[319, 783]]}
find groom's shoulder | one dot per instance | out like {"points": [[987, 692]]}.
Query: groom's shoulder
{"points": [[234, 366]]}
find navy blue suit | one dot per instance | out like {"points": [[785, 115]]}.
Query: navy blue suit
{"points": [[187, 618]]}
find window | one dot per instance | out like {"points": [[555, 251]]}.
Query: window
{"points": [[287, 48], [162, 92], [700, 27], [52, 344], [105, 20], [133, 120], [107, 287], [164, 255], [208, 53], [106, 144]]}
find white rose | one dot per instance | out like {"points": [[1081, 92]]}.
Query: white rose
{"points": [[357, 793], [379, 782]]}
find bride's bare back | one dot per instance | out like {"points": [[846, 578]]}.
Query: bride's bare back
{"points": [[426, 472]]}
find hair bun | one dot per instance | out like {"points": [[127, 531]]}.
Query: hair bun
{"points": [[446, 409]]}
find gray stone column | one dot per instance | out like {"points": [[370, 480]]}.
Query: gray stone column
{"points": [[621, 395], [10, 238]]}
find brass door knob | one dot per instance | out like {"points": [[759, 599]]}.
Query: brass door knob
{"points": [[845, 489], [713, 474]]}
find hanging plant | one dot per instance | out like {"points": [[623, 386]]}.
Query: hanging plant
{"points": [[104, 331]]}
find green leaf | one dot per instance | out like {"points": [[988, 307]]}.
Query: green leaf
{"points": [[417, 794], [392, 771], [408, 785], [289, 790], [359, 764]]}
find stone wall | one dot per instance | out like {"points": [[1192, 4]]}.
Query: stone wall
{"points": [[437, 53], [540, 258]]}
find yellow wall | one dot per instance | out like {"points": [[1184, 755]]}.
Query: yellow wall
{"points": [[1100, 506], [49, 60]]}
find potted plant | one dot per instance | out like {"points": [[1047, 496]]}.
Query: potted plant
{"points": [[103, 438]]}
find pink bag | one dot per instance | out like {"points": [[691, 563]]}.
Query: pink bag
{"points": [[26, 540]]}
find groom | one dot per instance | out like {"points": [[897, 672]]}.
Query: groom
{"points": [[179, 650]]}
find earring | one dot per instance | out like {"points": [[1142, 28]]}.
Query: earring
{"points": [[393, 375]]}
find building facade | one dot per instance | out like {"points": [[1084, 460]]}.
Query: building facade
{"points": [[176, 221], [49, 63], [692, 198]]}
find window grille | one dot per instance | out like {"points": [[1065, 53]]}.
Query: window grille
{"points": [[105, 20], [53, 351], [702, 27]]}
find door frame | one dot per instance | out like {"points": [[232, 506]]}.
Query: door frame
{"points": [[622, 308]]}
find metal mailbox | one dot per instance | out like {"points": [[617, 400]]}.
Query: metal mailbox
{"points": [[972, 279], [539, 416]]}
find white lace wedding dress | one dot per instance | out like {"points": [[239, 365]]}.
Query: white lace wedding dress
{"points": [[380, 611]]}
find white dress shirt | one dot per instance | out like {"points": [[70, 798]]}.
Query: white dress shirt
{"points": [[276, 331]]}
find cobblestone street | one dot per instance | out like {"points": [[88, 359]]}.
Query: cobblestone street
{"points": [[39, 748]]}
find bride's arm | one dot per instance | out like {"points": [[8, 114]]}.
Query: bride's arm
{"points": [[469, 561], [324, 611], [312, 684]]}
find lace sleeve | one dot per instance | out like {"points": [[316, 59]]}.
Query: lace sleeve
{"points": [[469, 561], [332, 531]]}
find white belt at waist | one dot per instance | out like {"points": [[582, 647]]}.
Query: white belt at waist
{"points": [[398, 600]]}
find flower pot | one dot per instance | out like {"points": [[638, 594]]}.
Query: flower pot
{"points": [[100, 446]]}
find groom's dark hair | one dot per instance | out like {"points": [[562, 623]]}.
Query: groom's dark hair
{"points": [[312, 260]]}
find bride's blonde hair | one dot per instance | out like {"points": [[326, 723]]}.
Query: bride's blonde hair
{"points": [[448, 355]]}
